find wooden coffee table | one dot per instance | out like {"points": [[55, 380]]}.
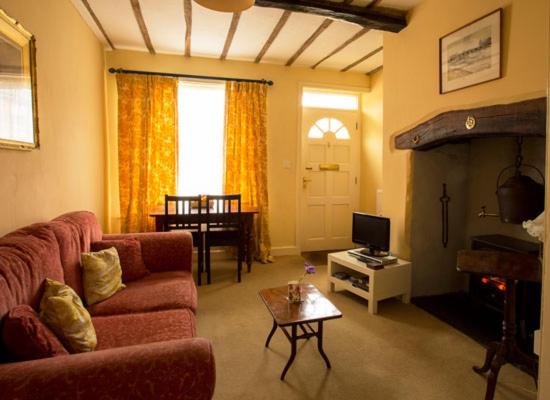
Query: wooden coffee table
{"points": [[314, 308]]}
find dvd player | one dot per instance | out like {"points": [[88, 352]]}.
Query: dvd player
{"points": [[357, 253]]}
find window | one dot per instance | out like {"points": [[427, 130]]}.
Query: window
{"points": [[325, 99], [201, 110], [324, 125]]}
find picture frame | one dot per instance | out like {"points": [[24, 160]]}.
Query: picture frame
{"points": [[18, 97], [471, 54]]}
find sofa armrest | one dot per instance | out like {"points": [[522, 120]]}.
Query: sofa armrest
{"points": [[176, 369], [163, 251]]}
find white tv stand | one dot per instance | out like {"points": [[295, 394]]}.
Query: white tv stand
{"points": [[391, 281]]}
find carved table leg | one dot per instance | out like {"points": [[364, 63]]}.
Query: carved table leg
{"points": [[293, 340], [320, 343], [498, 361], [490, 355], [273, 329]]}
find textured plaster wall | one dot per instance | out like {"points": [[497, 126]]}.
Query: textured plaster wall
{"points": [[67, 172]]}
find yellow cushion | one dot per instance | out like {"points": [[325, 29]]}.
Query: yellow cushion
{"points": [[62, 310], [101, 275]]}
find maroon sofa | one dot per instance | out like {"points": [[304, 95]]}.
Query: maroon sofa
{"points": [[147, 344]]}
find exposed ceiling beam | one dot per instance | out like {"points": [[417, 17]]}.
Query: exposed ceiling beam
{"points": [[142, 27], [273, 36], [372, 53], [230, 34], [188, 14], [373, 3], [383, 19], [326, 23], [352, 39], [347, 1], [375, 70], [99, 26]]}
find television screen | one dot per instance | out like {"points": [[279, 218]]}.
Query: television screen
{"points": [[371, 232]]}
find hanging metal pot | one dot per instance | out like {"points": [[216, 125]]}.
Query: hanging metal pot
{"points": [[520, 197]]}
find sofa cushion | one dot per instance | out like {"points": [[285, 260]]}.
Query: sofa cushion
{"points": [[131, 261], [140, 328], [158, 291], [27, 338], [101, 275], [62, 310], [27, 257]]}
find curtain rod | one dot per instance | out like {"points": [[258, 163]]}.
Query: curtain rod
{"points": [[214, 78]]}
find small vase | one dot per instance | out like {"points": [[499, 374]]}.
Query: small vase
{"points": [[294, 292]]}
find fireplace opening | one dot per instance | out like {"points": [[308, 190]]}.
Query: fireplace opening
{"points": [[466, 175]]}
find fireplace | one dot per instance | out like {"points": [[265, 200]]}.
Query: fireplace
{"points": [[461, 166]]}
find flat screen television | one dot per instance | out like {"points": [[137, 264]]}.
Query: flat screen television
{"points": [[371, 232]]}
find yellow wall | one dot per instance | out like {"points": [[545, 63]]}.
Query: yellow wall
{"points": [[411, 79], [282, 125], [371, 143], [67, 172], [544, 367]]}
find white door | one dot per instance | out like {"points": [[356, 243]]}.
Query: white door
{"points": [[330, 177]]}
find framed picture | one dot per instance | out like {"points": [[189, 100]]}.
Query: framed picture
{"points": [[471, 54], [18, 110]]}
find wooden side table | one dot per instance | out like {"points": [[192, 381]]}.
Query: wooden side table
{"points": [[512, 267], [314, 308]]}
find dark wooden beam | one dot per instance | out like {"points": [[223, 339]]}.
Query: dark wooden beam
{"points": [[347, 1], [373, 3], [188, 14], [524, 118], [375, 70], [230, 34], [282, 21], [324, 25], [342, 46], [383, 19], [142, 27], [98, 24], [372, 53]]}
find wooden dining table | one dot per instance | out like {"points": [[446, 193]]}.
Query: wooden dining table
{"points": [[247, 221]]}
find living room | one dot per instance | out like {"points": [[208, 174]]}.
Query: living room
{"points": [[402, 352]]}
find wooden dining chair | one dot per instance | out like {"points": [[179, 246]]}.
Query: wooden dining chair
{"points": [[224, 227], [184, 213]]}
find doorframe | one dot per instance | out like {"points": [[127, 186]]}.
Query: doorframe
{"points": [[357, 90]]}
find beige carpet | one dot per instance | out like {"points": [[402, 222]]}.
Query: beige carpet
{"points": [[401, 353]]}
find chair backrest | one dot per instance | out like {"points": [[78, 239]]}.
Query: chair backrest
{"points": [[223, 211], [182, 212]]}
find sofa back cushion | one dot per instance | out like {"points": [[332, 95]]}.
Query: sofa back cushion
{"points": [[129, 252], [74, 232], [27, 257]]}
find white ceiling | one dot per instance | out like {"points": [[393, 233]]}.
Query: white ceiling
{"points": [[165, 22]]}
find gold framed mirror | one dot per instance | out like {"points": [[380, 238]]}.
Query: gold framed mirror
{"points": [[18, 104]]}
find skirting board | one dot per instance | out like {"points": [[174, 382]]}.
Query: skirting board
{"points": [[220, 254], [285, 251]]}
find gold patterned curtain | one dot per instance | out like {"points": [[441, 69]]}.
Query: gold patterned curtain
{"points": [[147, 146], [246, 155]]}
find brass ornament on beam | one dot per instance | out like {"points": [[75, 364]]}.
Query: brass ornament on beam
{"points": [[470, 122]]}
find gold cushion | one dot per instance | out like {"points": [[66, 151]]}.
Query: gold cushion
{"points": [[101, 275], [62, 310]]}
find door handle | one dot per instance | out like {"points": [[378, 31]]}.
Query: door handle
{"points": [[305, 181]]}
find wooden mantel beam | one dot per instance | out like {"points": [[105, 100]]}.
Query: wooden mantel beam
{"points": [[383, 19], [524, 118]]}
